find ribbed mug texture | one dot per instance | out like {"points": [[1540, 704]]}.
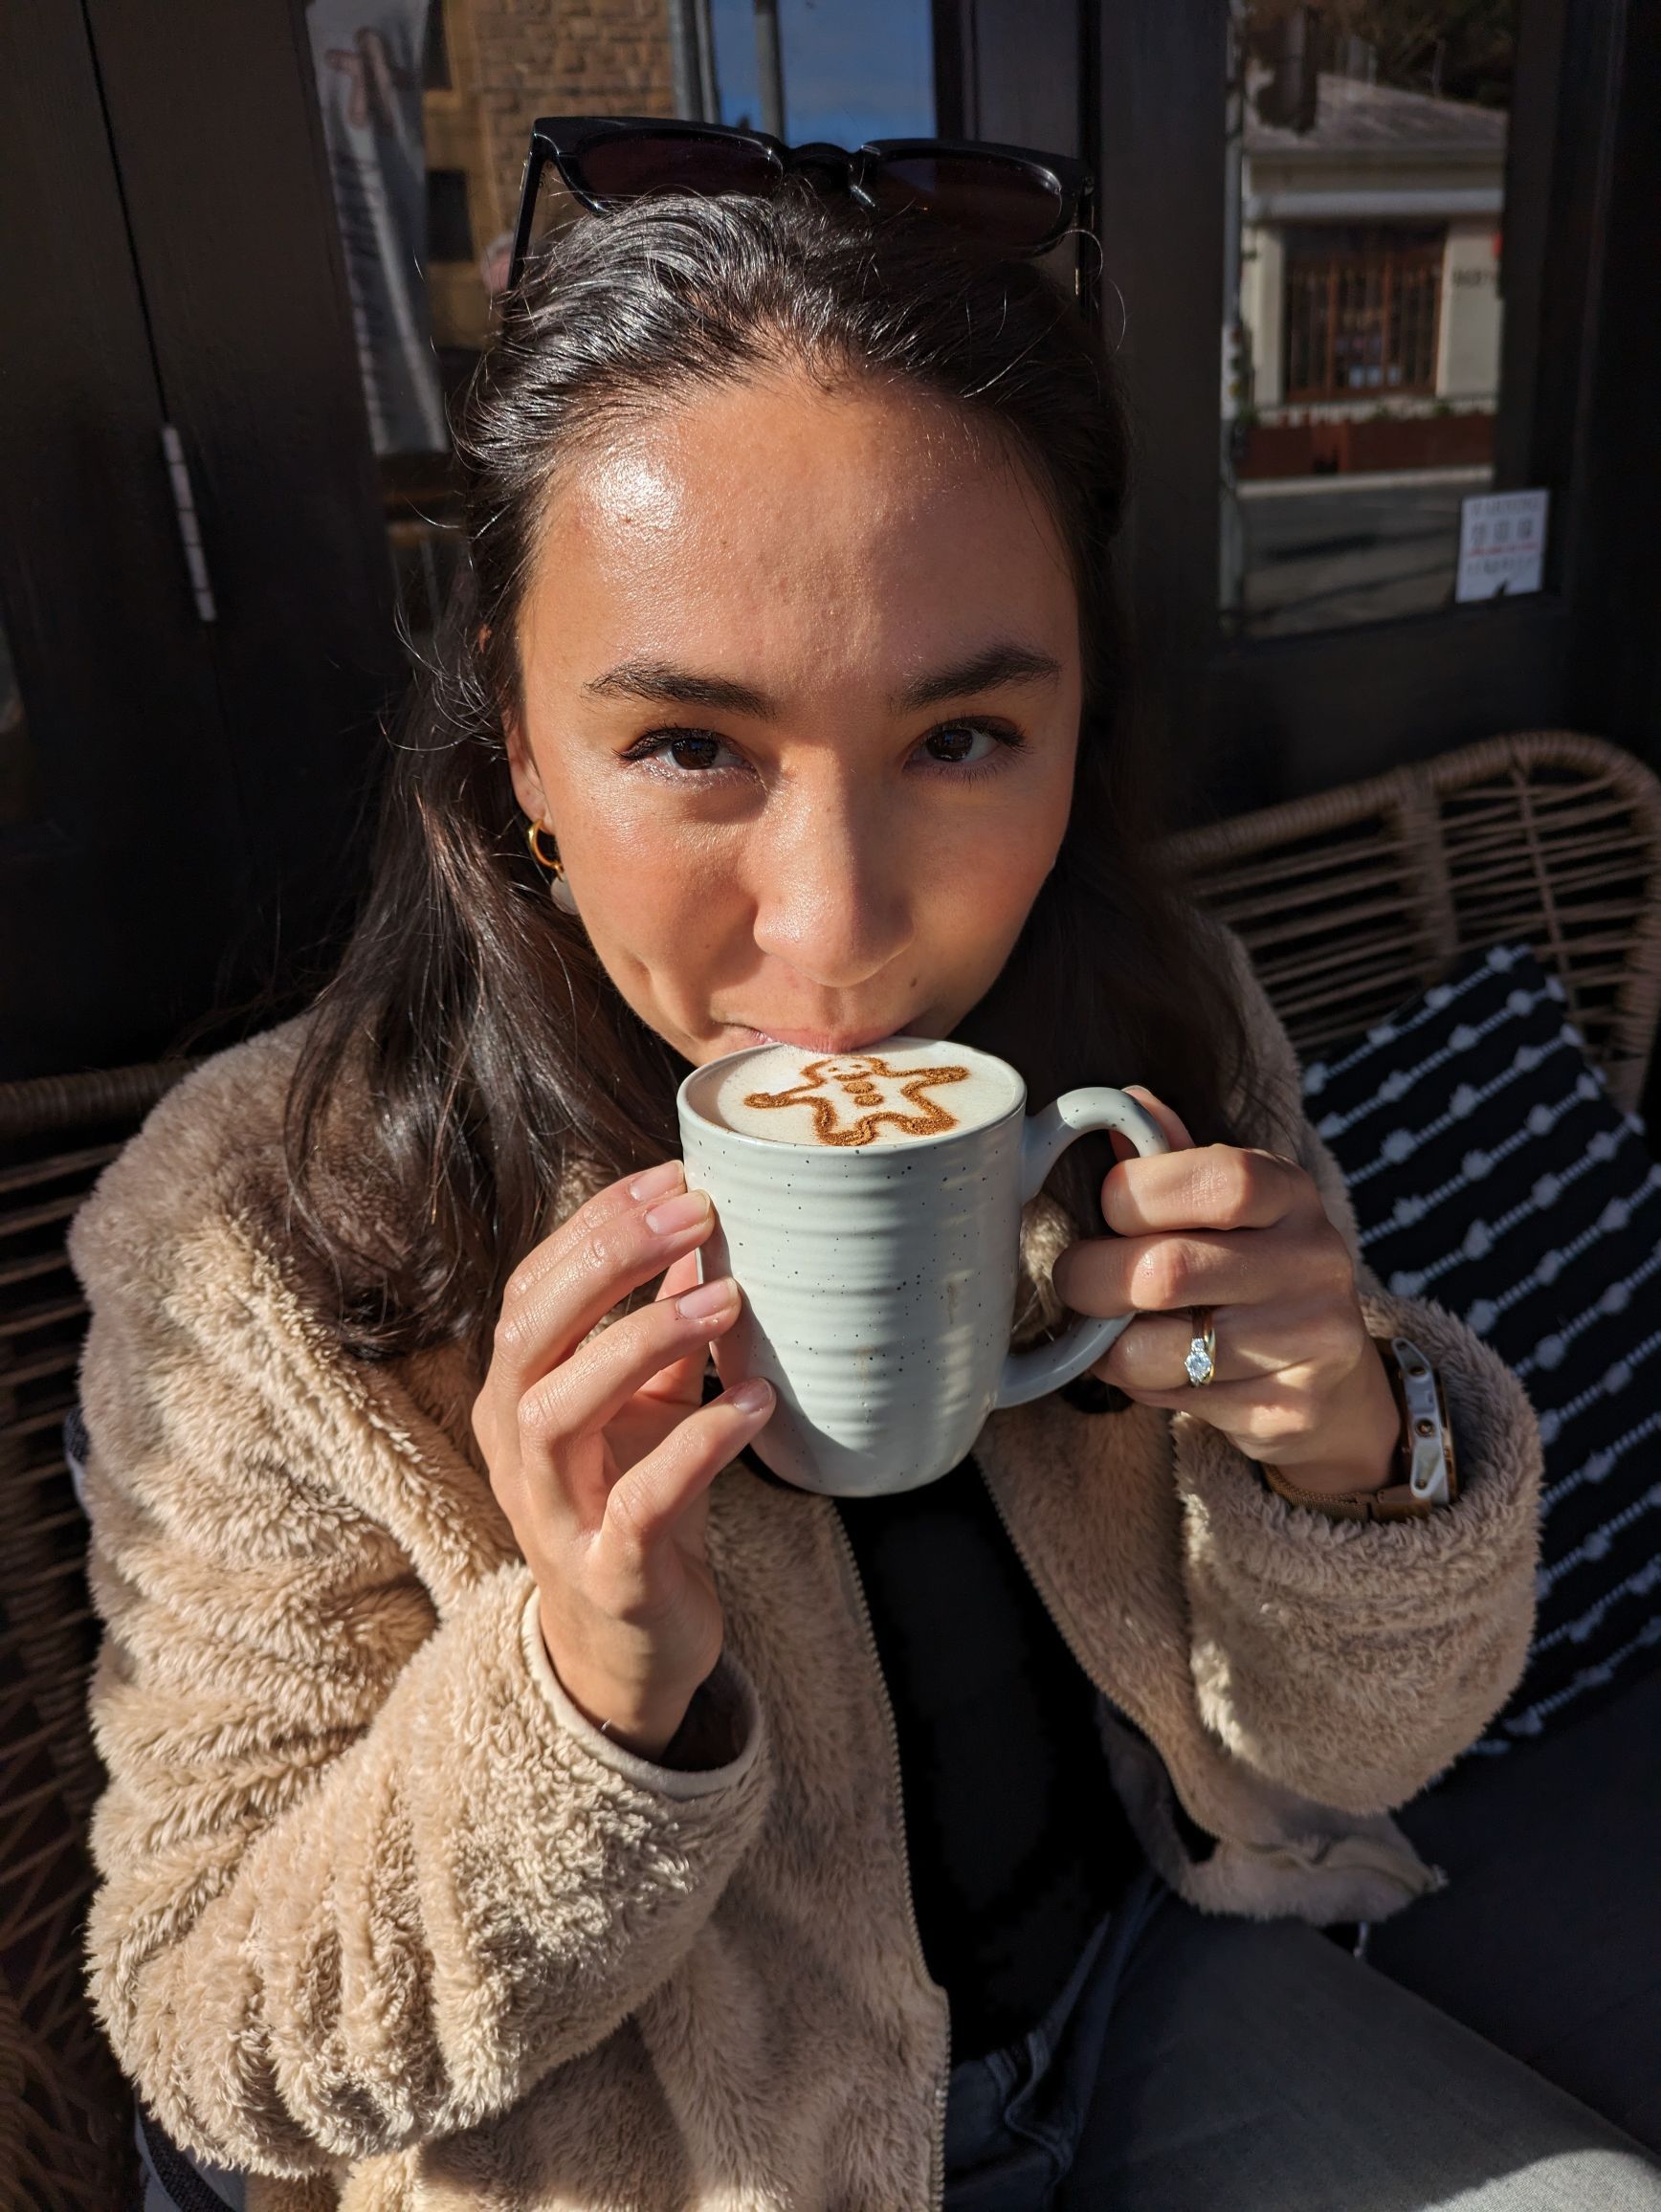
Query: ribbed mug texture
{"points": [[879, 1284]]}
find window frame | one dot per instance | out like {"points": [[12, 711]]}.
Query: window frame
{"points": [[1249, 723]]}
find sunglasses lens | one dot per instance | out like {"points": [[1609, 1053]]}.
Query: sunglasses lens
{"points": [[1005, 202], [626, 167]]}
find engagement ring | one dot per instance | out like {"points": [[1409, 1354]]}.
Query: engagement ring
{"points": [[1201, 1363]]}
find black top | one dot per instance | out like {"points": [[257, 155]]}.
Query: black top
{"points": [[1016, 1839]]}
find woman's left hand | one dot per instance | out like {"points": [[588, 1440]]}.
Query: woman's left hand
{"points": [[1298, 1382]]}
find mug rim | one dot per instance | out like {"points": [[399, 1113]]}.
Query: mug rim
{"points": [[688, 1111]]}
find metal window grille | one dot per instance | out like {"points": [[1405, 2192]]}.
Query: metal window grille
{"points": [[1365, 322]]}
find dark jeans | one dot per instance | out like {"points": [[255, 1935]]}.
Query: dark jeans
{"points": [[1013, 2118], [1208, 2064]]}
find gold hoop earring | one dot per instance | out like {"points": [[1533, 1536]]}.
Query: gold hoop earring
{"points": [[559, 890]]}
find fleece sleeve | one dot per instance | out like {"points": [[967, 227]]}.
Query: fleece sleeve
{"points": [[1347, 1660], [366, 1875]]}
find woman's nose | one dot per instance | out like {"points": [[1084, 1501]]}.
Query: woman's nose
{"points": [[831, 896]]}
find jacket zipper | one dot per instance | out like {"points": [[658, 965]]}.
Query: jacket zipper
{"points": [[938, 2154]]}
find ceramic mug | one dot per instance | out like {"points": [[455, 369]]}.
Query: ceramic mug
{"points": [[879, 1284]]}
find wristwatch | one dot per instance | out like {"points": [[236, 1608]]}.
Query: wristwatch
{"points": [[1425, 1471]]}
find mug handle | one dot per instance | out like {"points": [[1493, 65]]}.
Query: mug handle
{"points": [[1028, 1375]]}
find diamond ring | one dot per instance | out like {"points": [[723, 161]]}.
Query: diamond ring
{"points": [[1201, 1363]]}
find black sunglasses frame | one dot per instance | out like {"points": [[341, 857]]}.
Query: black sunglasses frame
{"points": [[561, 141]]}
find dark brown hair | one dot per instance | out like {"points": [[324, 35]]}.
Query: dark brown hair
{"points": [[495, 1050]]}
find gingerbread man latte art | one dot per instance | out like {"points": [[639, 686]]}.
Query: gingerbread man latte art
{"points": [[858, 1098]]}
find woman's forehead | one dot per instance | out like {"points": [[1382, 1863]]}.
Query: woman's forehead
{"points": [[779, 506]]}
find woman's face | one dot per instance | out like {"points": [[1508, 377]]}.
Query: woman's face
{"points": [[801, 698]]}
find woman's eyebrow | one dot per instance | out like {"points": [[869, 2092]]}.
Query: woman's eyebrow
{"points": [[664, 684], [982, 670], [658, 680]]}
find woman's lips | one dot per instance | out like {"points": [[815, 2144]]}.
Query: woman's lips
{"points": [[817, 1040]]}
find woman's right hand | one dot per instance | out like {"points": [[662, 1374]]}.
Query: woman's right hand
{"points": [[600, 1453]]}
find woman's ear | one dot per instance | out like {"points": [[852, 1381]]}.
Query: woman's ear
{"points": [[528, 785]]}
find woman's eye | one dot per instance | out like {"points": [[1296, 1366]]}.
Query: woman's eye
{"points": [[693, 750], [696, 750], [962, 744]]}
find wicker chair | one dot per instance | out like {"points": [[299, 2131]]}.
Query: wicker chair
{"points": [[1353, 899], [1349, 902]]}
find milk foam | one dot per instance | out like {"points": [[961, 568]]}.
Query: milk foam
{"points": [[892, 1095]]}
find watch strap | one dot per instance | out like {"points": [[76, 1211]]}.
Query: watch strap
{"points": [[1396, 1501]]}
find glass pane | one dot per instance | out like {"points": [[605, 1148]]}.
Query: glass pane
{"points": [[851, 71], [848, 71], [427, 110], [16, 755], [1362, 313]]}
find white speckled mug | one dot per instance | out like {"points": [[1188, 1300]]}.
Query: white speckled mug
{"points": [[880, 1281]]}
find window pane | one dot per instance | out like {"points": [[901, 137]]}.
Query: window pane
{"points": [[1361, 315], [851, 71]]}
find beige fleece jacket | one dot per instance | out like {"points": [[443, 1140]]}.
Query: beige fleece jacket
{"points": [[384, 1921]]}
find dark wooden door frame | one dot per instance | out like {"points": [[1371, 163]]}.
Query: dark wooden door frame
{"points": [[239, 251], [170, 256], [1138, 93], [1614, 580], [107, 927]]}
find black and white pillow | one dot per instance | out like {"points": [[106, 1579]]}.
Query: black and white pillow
{"points": [[1491, 1172]]}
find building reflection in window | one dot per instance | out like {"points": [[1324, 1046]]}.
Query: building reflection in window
{"points": [[1361, 316]]}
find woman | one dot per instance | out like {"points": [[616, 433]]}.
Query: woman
{"points": [[503, 1807]]}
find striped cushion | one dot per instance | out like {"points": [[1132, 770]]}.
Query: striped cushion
{"points": [[1490, 1173]]}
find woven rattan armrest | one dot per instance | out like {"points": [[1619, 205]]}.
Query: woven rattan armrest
{"points": [[1352, 901]]}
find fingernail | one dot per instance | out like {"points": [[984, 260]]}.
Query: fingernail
{"points": [[683, 1212], [708, 1299], [752, 1397], [657, 1180]]}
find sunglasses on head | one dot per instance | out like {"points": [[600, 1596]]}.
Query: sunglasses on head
{"points": [[1018, 200]]}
